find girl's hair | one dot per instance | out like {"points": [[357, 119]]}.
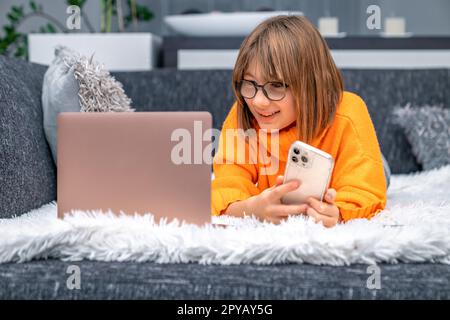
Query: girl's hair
{"points": [[291, 50]]}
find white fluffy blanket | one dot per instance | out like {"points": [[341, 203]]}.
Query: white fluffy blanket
{"points": [[415, 227]]}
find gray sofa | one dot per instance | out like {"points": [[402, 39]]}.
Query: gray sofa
{"points": [[28, 180]]}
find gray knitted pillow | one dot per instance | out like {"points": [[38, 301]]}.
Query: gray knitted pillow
{"points": [[75, 83], [428, 131]]}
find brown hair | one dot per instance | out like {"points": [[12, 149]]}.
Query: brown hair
{"points": [[290, 49]]}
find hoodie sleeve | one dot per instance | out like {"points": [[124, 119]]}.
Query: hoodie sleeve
{"points": [[358, 175], [234, 180]]}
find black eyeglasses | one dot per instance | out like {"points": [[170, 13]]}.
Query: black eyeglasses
{"points": [[273, 90]]}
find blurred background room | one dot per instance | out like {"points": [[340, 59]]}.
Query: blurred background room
{"points": [[130, 35]]}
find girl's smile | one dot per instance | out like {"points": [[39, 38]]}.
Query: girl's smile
{"points": [[267, 116], [270, 114]]}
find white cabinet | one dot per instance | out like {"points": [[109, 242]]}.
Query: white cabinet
{"points": [[117, 51]]}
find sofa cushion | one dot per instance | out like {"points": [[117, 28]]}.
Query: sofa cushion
{"points": [[382, 90], [27, 172], [46, 279], [59, 94], [76, 83], [428, 131]]}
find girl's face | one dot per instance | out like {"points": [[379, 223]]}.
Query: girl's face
{"points": [[271, 115]]}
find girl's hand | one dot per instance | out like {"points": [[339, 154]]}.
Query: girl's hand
{"points": [[267, 205], [327, 211]]}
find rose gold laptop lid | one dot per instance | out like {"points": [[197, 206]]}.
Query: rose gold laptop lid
{"points": [[135, 162]]}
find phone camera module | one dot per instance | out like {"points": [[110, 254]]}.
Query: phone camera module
{"points": [[304, 159], [295, 159], [296, 151]]}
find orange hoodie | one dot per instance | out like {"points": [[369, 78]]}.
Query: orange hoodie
{"points": [[358, 174]]}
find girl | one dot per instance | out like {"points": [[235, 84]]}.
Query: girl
{"points": [[286, 82]]}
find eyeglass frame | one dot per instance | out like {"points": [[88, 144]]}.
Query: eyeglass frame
{"points": [[257, 86]]}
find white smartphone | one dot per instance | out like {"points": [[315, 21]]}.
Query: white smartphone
{"points": [[313, 167]]}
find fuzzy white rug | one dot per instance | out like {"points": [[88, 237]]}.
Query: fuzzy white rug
{"points": [[415, 227]]}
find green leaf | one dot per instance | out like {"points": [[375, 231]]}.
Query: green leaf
{"points": [[143, 13], [79, 3], [17, 11], [12, 17], [8, 29], [20, 52], [51, 28], [33, 6], [14, 9], [3, 46], [12, 37]]}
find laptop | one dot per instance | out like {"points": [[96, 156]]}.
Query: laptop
{"points": [[135, 162]]}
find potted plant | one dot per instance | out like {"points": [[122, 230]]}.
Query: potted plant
{"points": [[117, 49]]}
